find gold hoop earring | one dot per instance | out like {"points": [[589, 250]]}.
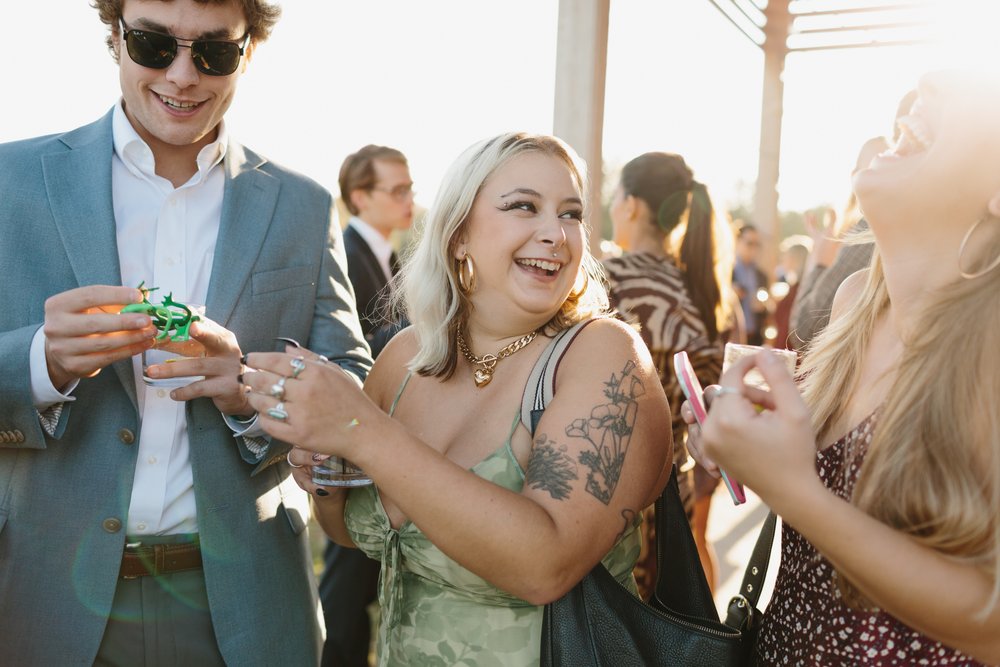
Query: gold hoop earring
{"points": [[466, 274], [961, 251]]}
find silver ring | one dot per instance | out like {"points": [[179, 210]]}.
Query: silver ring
{"points": [[298, 365], [288, 457], [728, 390], [278, 412], [278, 388]]}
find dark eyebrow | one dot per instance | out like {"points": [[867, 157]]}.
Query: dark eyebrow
{"points": [[153, 26]]}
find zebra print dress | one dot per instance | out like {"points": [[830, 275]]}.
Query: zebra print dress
{"points": [[649, 292]]}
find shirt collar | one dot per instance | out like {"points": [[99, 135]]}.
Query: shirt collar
{"points": [[380, 246], [138, 158]]}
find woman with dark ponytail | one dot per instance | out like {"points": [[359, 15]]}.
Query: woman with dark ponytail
{"points": [[672, 281]]}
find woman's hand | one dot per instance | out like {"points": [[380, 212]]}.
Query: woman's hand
{"points": [[301, 461], [307, 401], [773, 451]]}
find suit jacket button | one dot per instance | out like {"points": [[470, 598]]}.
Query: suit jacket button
{"points": [[126, 436], [112, 525]]}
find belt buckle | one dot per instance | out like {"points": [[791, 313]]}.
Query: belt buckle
{"points": [[130, 545]]}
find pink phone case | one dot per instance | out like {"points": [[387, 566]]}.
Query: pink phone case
{"points": [[692, 389]]}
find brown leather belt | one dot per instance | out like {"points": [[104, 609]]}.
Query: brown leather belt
{"points": [[157, 559]]}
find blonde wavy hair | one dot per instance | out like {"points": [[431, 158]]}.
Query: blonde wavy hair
{"points": [[932, 469], [429, 294]]}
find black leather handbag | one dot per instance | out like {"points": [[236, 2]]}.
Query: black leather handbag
{"points": [[600, 623]]}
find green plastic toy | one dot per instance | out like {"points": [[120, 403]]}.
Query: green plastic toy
{"points": [[171, 318]]}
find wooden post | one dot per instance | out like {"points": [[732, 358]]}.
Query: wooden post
{"points": [[581, 71], [765, 203]]}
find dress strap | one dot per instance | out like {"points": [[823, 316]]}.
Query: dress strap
{"points": [[402, 386]]}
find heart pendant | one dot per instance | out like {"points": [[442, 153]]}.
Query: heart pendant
{"points": [[482, 377]]}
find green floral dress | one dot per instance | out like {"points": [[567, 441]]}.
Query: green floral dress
{"points": [[436, 612]]}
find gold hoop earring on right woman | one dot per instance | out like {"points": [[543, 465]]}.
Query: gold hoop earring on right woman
{"points": [[961, 252], [466, 274]]}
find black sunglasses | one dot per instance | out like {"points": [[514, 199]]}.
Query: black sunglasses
{"points": [[157, 50]]}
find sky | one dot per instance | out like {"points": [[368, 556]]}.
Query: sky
{"points": [[432, 77]]}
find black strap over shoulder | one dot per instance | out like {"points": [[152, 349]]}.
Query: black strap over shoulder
{"points": [[539, 388]]}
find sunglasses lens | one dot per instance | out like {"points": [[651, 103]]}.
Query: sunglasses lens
{"points": [[216, 58], [150, 49]]}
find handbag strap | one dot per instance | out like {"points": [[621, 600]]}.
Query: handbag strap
{"points": [[760, 558], [681, 584], [540, 387]]}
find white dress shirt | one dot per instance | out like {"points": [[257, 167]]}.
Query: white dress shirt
{"points": [[166, 237], [380, 245]]}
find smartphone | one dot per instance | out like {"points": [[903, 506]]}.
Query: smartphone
{"points": [[693, 391]]}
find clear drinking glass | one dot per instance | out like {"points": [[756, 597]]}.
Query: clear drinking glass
{"points": [[734, 352], [337, 471], [167, 351]]}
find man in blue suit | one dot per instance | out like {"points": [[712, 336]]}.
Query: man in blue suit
{"points": [[142, 525]]}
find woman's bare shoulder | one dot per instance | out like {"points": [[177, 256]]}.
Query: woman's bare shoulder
{"points": [[848, 293], [391, 367]]}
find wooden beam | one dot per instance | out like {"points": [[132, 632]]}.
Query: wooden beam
{"points": [[765, 202], [581, 72]]}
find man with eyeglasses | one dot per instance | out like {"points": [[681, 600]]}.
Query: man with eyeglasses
{"points": [[377, 190], [142, 525]]}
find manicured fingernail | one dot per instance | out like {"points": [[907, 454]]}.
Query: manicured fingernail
{"points": [[239, 378], [290, 341], [317, 457], [243, 359], [322, 492]]}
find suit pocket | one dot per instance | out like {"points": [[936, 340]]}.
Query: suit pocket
{"points": [[264, 282]]}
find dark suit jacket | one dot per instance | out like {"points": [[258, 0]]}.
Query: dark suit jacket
{"points": [[370, 291], [278, 271]]}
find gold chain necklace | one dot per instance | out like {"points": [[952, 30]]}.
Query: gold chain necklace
{"points": [[488, 362]]}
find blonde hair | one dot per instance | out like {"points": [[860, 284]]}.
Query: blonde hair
{"points": [[932, 469], [429, 291]]}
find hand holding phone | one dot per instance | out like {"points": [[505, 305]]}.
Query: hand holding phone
{"points": [[693, 391]]}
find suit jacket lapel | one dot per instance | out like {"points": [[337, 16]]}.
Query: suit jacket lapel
{"points": [[78, 183], [376, 274], [247, 207]]}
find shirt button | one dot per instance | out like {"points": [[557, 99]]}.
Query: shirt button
{"points": [[161, 393], [141, 526], [152, 460], [112, 525], [126, 436]]}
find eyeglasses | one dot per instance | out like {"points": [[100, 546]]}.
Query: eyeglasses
{"points": [[399, 193], [157, 50]]}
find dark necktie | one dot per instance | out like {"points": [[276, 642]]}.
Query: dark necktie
{"points": [[394, 263]]}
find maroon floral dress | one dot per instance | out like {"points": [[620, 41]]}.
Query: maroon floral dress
{"points": [[807, 621]]}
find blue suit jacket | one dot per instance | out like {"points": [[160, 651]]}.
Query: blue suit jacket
{"points": [[279, 270]]}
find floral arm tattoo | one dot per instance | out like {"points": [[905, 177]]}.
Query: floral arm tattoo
{"points": [[609, 431], [550, 468]]}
